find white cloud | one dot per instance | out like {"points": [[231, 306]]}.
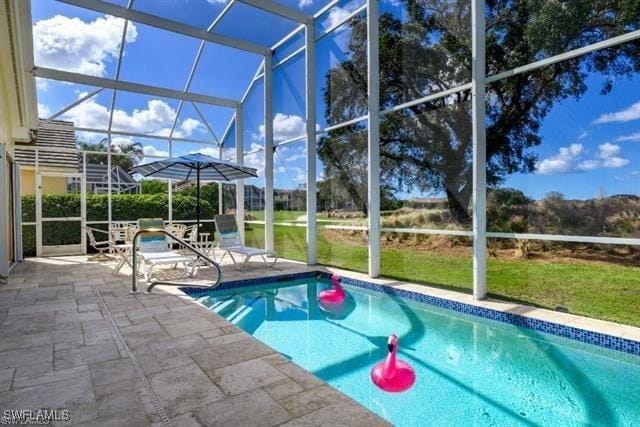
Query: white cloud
{"points": [[292, 152], [336, 16], [588, 165], [297, 156], [255, 160], [157, 118], [74, 45], [634, 137], [583, 135], [286, 127], [43, 110], [150, 150], [610, 155], [569, 159], [217, 1], [563, 162], [42, 84], [608, 150], [190, 125], [209, 151], [304, 3], [626, 115]]}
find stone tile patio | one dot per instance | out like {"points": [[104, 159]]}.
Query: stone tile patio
{"points": [[72, 337]]}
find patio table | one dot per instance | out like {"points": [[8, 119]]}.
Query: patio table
{"points": [[123, 250]]}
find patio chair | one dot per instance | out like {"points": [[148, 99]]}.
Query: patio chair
{"points": [[230, 243], [177, 229], [101, 246], [199, 241], [153, 249], [117, 235]]}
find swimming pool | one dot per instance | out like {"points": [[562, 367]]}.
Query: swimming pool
{"points": [[470, 370]]}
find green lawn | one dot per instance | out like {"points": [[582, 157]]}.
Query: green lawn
{"points": [[278, 215], [599, 290]]}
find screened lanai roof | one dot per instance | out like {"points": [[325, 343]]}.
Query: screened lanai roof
{"points": [[171, 70]]}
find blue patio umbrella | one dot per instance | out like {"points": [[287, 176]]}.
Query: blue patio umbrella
{"points": [[198, 167]]}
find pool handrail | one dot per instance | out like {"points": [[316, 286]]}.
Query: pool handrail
{"points": [[199, 253]]}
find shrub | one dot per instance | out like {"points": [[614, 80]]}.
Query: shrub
{"points": [[124, 207]]}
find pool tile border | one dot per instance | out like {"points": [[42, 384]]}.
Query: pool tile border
{"points": [[590, 337]]}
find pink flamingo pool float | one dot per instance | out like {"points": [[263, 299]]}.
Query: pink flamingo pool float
{"points": [[335, 295], [393, 375]]}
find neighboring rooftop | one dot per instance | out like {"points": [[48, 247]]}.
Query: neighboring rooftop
{"points": [[56, 143]]}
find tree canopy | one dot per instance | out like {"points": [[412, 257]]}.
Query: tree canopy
{"points": [[126, 155], [428, 147]]}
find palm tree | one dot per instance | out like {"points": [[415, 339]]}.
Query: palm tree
{"points": [[126, 154]]}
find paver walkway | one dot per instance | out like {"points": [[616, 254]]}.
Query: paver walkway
{"points": [[72, 337]]}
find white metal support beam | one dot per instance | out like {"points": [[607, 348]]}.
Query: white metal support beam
{"points": [[310, 89], [373, 104], [205, 122], [196, 62], [279, 9], [479, 198], [268, 152], [220, 187], [166, 24], [240, 161], [70, 77]]}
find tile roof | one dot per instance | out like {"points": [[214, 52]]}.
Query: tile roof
{"points": [[52, 137]]}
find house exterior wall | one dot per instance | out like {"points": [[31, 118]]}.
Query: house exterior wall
{"points": [[50, 184], [18, 110]]}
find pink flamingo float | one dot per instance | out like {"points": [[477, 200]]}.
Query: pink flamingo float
{"points": [[335, 295], [393, 375]]}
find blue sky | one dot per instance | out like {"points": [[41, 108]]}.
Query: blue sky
{"points": [[589, 146]]}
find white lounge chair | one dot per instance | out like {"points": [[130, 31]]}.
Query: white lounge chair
{"points": [[154, 250], [230, 243]]}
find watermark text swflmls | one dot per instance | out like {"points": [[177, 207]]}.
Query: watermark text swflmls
{"points": [[34, 417]]}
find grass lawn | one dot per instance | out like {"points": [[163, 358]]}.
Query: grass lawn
{"points": [[278, 215], [597, 289]]}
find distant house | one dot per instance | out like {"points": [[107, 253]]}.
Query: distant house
{"points": [[97, 180], [253, 198], [57, 154], [282, 199]]}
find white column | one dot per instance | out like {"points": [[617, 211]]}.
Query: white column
{"points": [[220, 187], [373, 181], [268, 152], [310, 93], [83, 203], [17, 213], [38, 206], [479, 153], [170, 187], [109, 216], [240, 161]]}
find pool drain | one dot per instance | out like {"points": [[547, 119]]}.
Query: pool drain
{"points": [[155, 399]]}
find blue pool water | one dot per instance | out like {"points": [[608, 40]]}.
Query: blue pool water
{"points": [[470, 371]]}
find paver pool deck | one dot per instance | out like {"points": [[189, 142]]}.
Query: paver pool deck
{"points": [[73, 337]]}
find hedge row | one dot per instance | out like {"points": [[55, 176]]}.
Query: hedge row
{"points": [[124, 207]]}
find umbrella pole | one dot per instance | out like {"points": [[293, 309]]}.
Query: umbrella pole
{"points": [[198, 201]]}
